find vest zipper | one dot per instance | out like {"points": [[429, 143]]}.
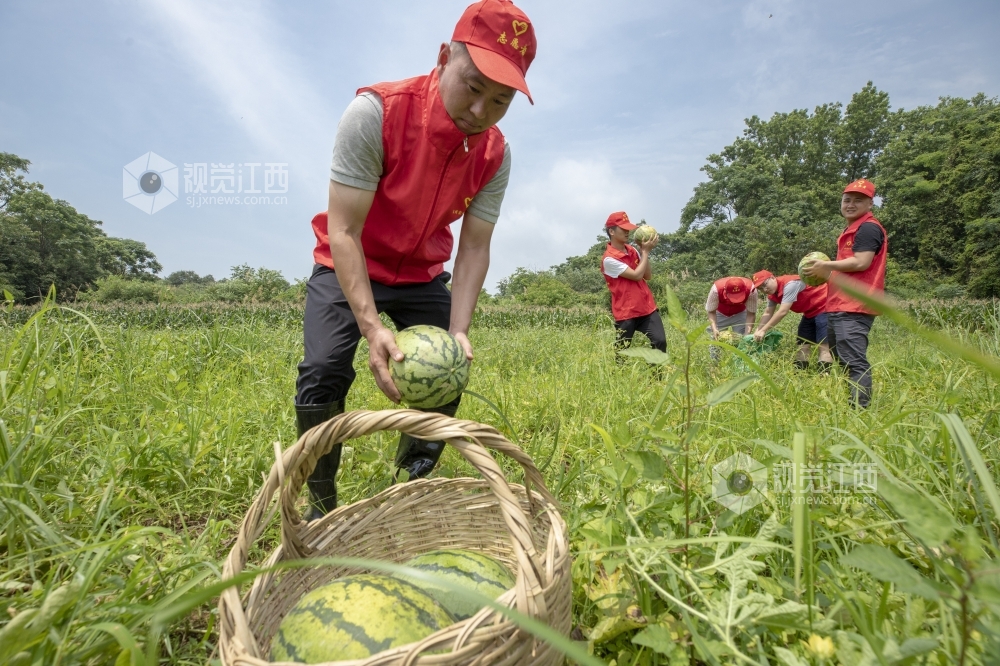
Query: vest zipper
{"points": [[465, 142]]}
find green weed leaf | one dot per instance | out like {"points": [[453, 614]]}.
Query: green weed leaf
{"points": [[727, 391], [649, 465], [656, 638], [647, 354], [925, 519], [676, 314], [960, 435], [884, 566]]}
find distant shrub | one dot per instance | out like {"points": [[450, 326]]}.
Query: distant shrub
{"points": [[116, 289], [949, 291]]}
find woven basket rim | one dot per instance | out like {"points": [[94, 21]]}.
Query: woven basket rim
{"points": [[537, 572]]}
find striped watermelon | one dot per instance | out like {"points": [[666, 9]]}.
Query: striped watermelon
{"points": [[470, 569], [434, 370], [355, 617], [805, 261]]}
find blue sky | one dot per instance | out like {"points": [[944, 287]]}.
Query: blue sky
{"points": [[630, 97]]}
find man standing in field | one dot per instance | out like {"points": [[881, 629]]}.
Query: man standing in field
{"points": [[731, 304], [626, 271], [410, 158], [788, 293], [862, 250]]}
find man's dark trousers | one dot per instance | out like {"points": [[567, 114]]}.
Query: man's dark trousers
{"points": [[332, 334], [847, 334], [327, 370]]}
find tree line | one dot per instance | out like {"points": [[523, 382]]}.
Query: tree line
{"points": [[45, 241], [769, 198], [773, 195]]}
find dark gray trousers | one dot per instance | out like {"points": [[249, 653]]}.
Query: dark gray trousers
{"points": [[331, 333], [847, 333]]}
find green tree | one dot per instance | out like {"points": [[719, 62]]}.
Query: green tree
{"points": [[939, 176], [45, 241]]}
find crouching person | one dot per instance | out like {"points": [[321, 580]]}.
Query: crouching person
{"points": [[731, 305], [788, 293]]}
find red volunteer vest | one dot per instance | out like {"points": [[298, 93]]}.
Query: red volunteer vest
{"points": [[873, 276], [810, 302], [430, 174], [726, 306], [629, 298]]}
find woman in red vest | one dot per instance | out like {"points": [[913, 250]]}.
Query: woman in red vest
{"points": [[626, 271], [787, 293], [410, 158], [862, 250]]}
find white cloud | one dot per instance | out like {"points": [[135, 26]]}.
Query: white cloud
{"points": [[237, 53], [558, 214]]}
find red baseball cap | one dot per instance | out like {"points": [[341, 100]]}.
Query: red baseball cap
{"points": [[862, 186], [500, 39], [736, 290], [760, 277], [619, 219]]}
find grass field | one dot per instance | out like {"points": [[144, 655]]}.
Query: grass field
{"points": [[133, 440]]}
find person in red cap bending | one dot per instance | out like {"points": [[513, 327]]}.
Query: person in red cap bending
{"points": [[862, 250], [731, 304], [626, 271], [788, 293], [410, 157]]}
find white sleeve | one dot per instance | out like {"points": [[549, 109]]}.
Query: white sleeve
{"points": [[613, 267], [712, 303]]}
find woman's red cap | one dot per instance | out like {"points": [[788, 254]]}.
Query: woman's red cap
{"points": [[619, 219]]}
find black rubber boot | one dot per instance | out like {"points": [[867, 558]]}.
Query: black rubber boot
{"points": [[322, 482], [801, 365], [419, 457], [825, 367]]}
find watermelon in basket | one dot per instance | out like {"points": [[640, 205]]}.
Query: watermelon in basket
{"points": [[421, 525]]}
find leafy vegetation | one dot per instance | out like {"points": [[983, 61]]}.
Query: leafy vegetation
{"points": [[131, 450], [46, 241], [774, 194]]}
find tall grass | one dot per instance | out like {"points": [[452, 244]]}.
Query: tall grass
{"points": [[131, 444]]}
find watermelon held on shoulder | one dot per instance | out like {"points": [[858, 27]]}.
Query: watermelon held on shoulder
{"points": [[356, 617], [807, 260], [470, 569], [434, 370]]}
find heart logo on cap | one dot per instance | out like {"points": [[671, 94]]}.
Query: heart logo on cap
{"points": [[468, 200], [520, 27]]}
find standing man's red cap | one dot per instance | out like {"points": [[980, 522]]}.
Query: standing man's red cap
{"points": [[862, 186], [736, 290], [760, 277], [619, 219], [501, 41]]}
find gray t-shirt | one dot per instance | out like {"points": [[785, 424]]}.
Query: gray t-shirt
{"points": [[358, 157], [792, 290]]}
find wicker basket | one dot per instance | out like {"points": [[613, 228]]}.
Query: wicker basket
{"points": [[519, 525]]}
